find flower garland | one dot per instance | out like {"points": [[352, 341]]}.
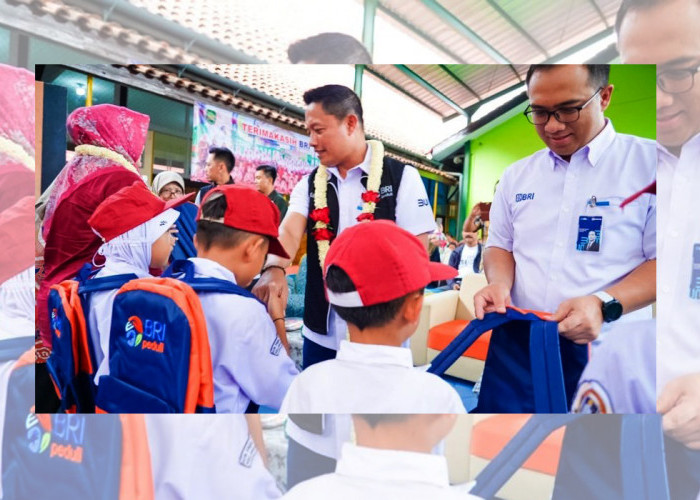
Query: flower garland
{"points": [[322, 214], [89, 150], [17, 152]]}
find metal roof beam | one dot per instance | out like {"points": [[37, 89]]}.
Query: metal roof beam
{"points": [[600, 12], [580, 46], [398, 87], [501, 12], [447, 70], [450, 19], [430, 87], [370, 12], [412, 28]]}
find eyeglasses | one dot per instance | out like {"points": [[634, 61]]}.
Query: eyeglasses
{"points": [[677, 81], [171, 191], [568, 114]]}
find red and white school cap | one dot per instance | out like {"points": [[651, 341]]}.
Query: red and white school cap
{"points": [[384, 262], [128, 208]]}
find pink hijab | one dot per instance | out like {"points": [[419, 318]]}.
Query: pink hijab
{"points": [[17, 107], [115, 128]]}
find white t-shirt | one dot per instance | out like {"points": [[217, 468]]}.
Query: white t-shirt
{"points": [[366, 378], [413, 213], [466, 260]]}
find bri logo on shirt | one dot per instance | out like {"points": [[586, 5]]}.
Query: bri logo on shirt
{"points": [[524, 197], [148, 334], [62, 435]]}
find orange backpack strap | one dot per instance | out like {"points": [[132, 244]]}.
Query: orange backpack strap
{"points": [[68, 290], [200, 357], [25, 359], [540, 314], [136, 474]]}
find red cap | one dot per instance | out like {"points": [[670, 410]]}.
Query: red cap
{"points": [[251, 211], [650, 189], [128, 208], [384, 262]]}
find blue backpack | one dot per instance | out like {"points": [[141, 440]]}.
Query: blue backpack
{"points": [[159, 354], [636, 449], [523, 371], [72, 363]]}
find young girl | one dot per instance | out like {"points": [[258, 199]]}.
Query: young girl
{"points": [[137, 229]]}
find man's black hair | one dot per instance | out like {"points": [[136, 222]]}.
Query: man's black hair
{"points": [[268, 170], [225, 155], [214, 233], [628, 5], [363, 317], [598, 74], [374, 419], [336, 100], [329, 48]]}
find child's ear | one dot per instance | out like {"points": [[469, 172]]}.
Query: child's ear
{"points": [[196, 243], [412, 307]]}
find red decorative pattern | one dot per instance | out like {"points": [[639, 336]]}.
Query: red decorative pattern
{"points": [[370, 197], [365, 216], [321, 215]]}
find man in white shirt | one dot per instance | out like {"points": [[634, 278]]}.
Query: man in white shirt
{"points": [[666, 33], [334, 118], [392, 459], [546, 205], [372, 373]]}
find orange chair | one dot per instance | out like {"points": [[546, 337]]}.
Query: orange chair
{"points": [[535, 479], [443, 317]]}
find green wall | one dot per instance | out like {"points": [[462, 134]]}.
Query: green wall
{"points": [[632, 111]]}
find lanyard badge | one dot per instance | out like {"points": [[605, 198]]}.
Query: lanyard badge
{"points": [[590, 233]]}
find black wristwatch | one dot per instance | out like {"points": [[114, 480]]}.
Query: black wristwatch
{"points": [[612, 309]]}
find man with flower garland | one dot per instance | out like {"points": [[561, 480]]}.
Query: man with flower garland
{"points": [[355, 182]]}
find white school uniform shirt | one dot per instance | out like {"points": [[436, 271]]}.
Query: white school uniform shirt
{"points": [[678, 315], [620, 376], [365, 378], [208, 457], [535, 215], [100, 315], [249, 361], [413, 213], [371, 473]]}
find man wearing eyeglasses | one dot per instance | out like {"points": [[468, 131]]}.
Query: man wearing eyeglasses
{"points": [[667, 33], [547, 205]]}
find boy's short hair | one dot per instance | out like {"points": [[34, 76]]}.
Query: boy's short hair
{"points": [[269, 171], [376, 315], [374, 419], [211, 234]]}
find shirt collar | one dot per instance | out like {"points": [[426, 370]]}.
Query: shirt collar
{"points": [[364, 166], [371, 354], [212, 269], [593, 150], [692, 143], [392, 465]]}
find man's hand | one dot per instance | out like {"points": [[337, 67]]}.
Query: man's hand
{"points": [[455, 286], [276, 306], [579, 318], [272, 284], [494, 297], [679, 403]]}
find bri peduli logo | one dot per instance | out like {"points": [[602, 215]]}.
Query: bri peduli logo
{"points": [[149, 334], [56, 322], [62, 435]]}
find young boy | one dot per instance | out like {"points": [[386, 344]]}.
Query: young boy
{"points": [[392, 459], [236, 228], [375, 274]]}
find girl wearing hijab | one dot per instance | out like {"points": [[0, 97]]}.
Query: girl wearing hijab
{"points": [[168, 185], [109, 142], [136, 228]]}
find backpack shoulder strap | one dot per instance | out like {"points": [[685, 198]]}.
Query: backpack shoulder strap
{"points": [[107, 283], [136, 473]]}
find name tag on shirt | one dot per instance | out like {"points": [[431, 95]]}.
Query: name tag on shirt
{"points": [[247, 453], [590, 233], [695, 274]]}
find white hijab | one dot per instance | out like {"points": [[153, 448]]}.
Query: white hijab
{"points": [[164, 178], [131, 252], [17, 305]]}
